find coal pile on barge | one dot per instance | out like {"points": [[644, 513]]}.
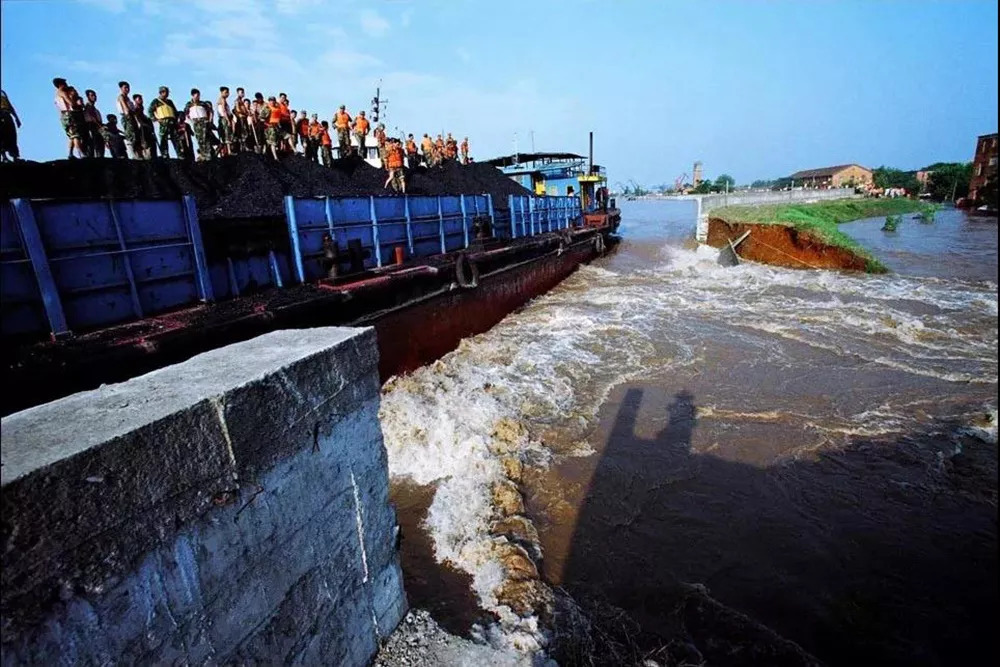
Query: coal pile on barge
{"points": [[242, 186]]}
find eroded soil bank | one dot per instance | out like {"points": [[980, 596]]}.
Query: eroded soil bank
{"points": [[785, 246]]}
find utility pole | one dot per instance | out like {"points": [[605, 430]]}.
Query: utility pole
{"points": [[532, 141]]}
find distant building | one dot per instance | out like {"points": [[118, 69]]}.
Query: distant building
{"points": [[924, 177], [984, 165], [696, 177], [845, 175]]}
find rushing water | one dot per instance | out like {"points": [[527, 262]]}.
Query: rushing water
{"points": [[818, 449]]}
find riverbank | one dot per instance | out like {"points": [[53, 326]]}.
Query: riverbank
{"points": [[814, 239]]}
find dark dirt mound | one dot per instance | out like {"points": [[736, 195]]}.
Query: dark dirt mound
{"points": [[241, 186]]}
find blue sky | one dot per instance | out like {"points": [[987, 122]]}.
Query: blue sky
{"points": [[754, 89]]}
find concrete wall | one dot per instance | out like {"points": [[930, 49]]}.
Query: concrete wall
{"points": [[708, 202], [233, 508]]}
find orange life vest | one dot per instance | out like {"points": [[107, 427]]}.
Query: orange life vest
{"points": [[394, 157], [411, 147], [315, 129], [286, 114], [303, 127], [275, 114], [342, 120], [427, 145], [324, 137], [361, 125]]}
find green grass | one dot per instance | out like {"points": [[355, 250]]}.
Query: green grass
{"points": [[821, 219]]}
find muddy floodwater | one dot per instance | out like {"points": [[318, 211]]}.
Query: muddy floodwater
{"points": [[816, 449]]}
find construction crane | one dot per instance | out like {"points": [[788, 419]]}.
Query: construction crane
{"points": [[679, 182]]}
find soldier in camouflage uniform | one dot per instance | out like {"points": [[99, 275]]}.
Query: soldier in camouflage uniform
{"points": [[144, 126], [241, 128], [113, 138], [163, 111], [226, 121], [126, 110], [200, 115], [274, 134]]}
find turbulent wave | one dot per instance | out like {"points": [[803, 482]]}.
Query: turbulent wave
{"points": [[548, 368]]}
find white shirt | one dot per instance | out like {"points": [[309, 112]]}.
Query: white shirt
{"points": [[197, 112]]}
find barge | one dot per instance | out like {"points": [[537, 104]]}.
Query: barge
{"points": [[100, 290]]}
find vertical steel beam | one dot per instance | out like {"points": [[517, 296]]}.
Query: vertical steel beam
{"points": [[35, 249], [202, 276], [126, 260], [409, 224], [293, 237], [465, 221], [489, 207], [275, 269], [513, 216], [444, 247], [234, 286], [377, 247]]}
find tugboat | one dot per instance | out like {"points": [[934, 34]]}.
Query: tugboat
{"points": [[566, 174]]}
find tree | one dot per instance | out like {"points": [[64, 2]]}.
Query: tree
{"points": [[949, 180], [725, 180], [703, 188], [889, 177]]}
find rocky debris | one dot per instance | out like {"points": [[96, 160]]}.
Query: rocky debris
{"points": [[241, 186], [507, 498], [508, 435], [513, 469], [516, 529], [420, 641]]}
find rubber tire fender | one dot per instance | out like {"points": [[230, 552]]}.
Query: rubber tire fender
{"points": [[599, 246], [466, 272]]}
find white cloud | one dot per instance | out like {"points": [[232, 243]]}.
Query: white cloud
{"points": [[293, 7], [115, 6], [69, 66], [349, 60], [373, 24]]}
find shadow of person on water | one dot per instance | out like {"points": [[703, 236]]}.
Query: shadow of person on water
{"points": [[878, 552]]}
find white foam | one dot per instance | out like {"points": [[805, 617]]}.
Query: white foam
{"points": [[551, 365]]}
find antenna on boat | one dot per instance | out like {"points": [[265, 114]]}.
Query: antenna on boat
{"points": [[591, 169], [378, 102]]}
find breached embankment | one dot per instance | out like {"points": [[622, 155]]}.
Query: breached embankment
{"points": [[804, 236], [784, 246]]}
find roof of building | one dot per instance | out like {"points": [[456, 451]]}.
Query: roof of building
{"points": [[520, 158], [825, 171]]}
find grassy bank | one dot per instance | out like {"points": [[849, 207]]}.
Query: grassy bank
{"points": [[821, 219]]}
